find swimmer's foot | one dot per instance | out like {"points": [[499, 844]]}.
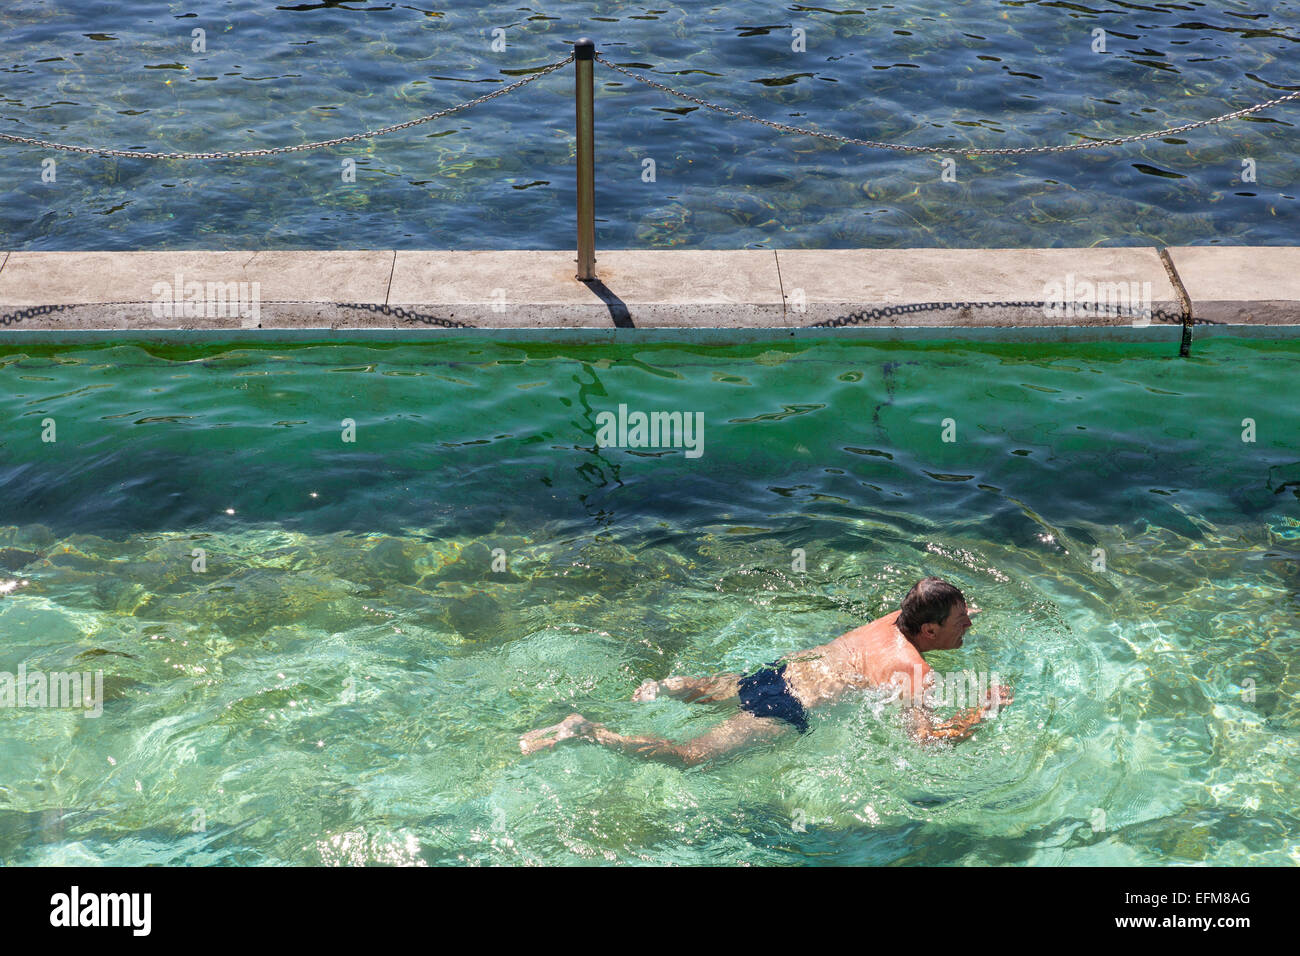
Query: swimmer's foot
{"points": [[678, 687], [668, 687], [575, 725]]}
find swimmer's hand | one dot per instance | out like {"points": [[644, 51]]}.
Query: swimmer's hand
{"points": [[961, 725], [997, 697]]}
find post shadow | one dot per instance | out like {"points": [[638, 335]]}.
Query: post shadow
{"points": [[617, 308]]}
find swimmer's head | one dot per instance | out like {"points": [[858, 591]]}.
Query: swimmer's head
{"points": [[934, 615]]}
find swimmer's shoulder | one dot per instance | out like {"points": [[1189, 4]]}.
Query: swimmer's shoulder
{"points": [[881, 625]]}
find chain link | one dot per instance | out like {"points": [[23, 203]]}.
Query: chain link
{"points": [[274, 150], [1005, 151]]}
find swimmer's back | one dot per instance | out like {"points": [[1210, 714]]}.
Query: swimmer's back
{"points": [[867, 656]]}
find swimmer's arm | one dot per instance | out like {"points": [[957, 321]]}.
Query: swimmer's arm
{"points": [[921, 724], [917, 716]]}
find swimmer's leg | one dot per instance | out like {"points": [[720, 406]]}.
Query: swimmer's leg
{"points": [[740, 731], [693, 690]]}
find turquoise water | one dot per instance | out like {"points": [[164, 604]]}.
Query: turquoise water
{"points": [[963, 74], [347, 679]]}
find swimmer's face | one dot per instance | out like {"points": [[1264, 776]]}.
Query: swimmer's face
{"points": [[952, 631]]}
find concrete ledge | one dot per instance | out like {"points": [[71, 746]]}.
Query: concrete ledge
{"points": [[335, 291], [1241, 285], [986, 286], [62, 278], [651, 289]]}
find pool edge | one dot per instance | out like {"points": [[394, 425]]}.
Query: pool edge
{"points": [[1093, 294]]}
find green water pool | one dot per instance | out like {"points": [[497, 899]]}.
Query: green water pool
{"points": [[346, 679]]}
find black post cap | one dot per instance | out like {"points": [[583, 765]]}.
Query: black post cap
{"points": [[584, 49]]}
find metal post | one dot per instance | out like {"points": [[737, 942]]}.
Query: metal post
{"points": [[584, 62]]}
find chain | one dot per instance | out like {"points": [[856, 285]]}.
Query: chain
{"points": [[1093, 144], [783, 127], [889, 311], [272, 151], [398, 312]]}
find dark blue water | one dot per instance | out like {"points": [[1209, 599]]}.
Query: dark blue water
{"points": [[974, 74]]}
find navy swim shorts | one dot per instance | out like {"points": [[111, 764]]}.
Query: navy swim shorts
{"points": [[766, 694]]}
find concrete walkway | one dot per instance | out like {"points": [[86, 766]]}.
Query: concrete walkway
{"points": [[1052, 290]]}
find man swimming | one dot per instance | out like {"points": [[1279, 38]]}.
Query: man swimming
{"points": [[885, 653]]}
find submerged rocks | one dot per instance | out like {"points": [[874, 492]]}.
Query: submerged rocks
{"points": [[32, 537], [21, 547], [254, 600], [14, 560], [474, 562], [477, 616]]}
